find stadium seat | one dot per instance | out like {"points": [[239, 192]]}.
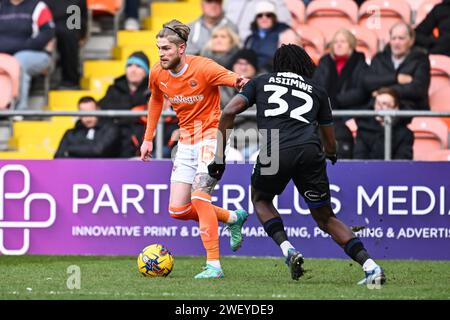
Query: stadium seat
{"points": [[110, 7], [414, 4], [297, 10], [430, 134], [330, 15], [440, 155], [381, 15], [367, 41], [440, 101], [424, 8], [440, 72], [9, 80], [312, 40]]}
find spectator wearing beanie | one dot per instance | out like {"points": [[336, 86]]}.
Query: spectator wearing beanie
{"points": [[245, 63], [127, 92]]}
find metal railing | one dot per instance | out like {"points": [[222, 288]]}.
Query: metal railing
{"points": [[388, 115]]}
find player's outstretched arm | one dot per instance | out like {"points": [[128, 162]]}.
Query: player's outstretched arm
{"points": [[235, 106], [329, 142]]}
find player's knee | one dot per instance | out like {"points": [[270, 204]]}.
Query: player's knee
{"points": [[181, 212]]}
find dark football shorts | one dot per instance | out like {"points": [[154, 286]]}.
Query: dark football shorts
{"points": [[305, 165]]}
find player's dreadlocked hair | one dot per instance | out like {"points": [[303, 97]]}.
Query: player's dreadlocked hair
{"points": [[292, 58]]}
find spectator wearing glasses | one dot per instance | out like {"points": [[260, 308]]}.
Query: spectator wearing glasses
{"points": [[265, 34], [240, 12], [202, 28]]}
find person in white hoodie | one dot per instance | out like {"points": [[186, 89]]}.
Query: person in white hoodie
{"points": [[201, 29], [242, 13]]}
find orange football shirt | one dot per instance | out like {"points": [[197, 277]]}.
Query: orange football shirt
{"points": [[193, 94]]}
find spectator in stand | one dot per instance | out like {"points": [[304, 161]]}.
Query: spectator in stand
{"points": [[91, 138], [201, 29], [245, 63], [127, 92], [265, 34], [289, 36], [403, 68], [132, 15], [241, 12], [370, 137], [69, 38], [224, 43], [26, 31], [438, 18], [340, 73]]}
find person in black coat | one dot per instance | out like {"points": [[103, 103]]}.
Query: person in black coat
{"points": [[370, 138], [126, 93], [403, 68], [265, 34], [438, 17], [70, 18], [340, 73], [91, 138]]}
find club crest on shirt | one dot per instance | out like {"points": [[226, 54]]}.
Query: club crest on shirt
{"points": [[193, 83]]}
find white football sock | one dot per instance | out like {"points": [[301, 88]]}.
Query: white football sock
{"points": [[285, 246], [233, 217], [369, 265], [214, 263]]}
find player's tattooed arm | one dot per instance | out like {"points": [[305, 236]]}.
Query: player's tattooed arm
{"points": [[204, 182]]}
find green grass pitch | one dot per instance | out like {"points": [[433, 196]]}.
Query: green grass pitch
{"points": [[45, 277]]}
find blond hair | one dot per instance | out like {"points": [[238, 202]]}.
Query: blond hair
{"points": [[351, 39], [235, 40], [174, 31]]}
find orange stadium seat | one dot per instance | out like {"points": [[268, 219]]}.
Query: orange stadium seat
{"points": [[330, 15], [381, 15], [440, 155], [414, 4], [9, 80], [109, 6], [367, 41], [440, 101], [312, 40], [425, 7], [430, 134], [297, 10], [440, 72]]}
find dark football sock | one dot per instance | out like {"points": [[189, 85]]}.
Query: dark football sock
{"points": [[354, 248], [275, 229]]}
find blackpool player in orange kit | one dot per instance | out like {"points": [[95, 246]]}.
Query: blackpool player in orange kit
{"points": [[191, 85]]}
